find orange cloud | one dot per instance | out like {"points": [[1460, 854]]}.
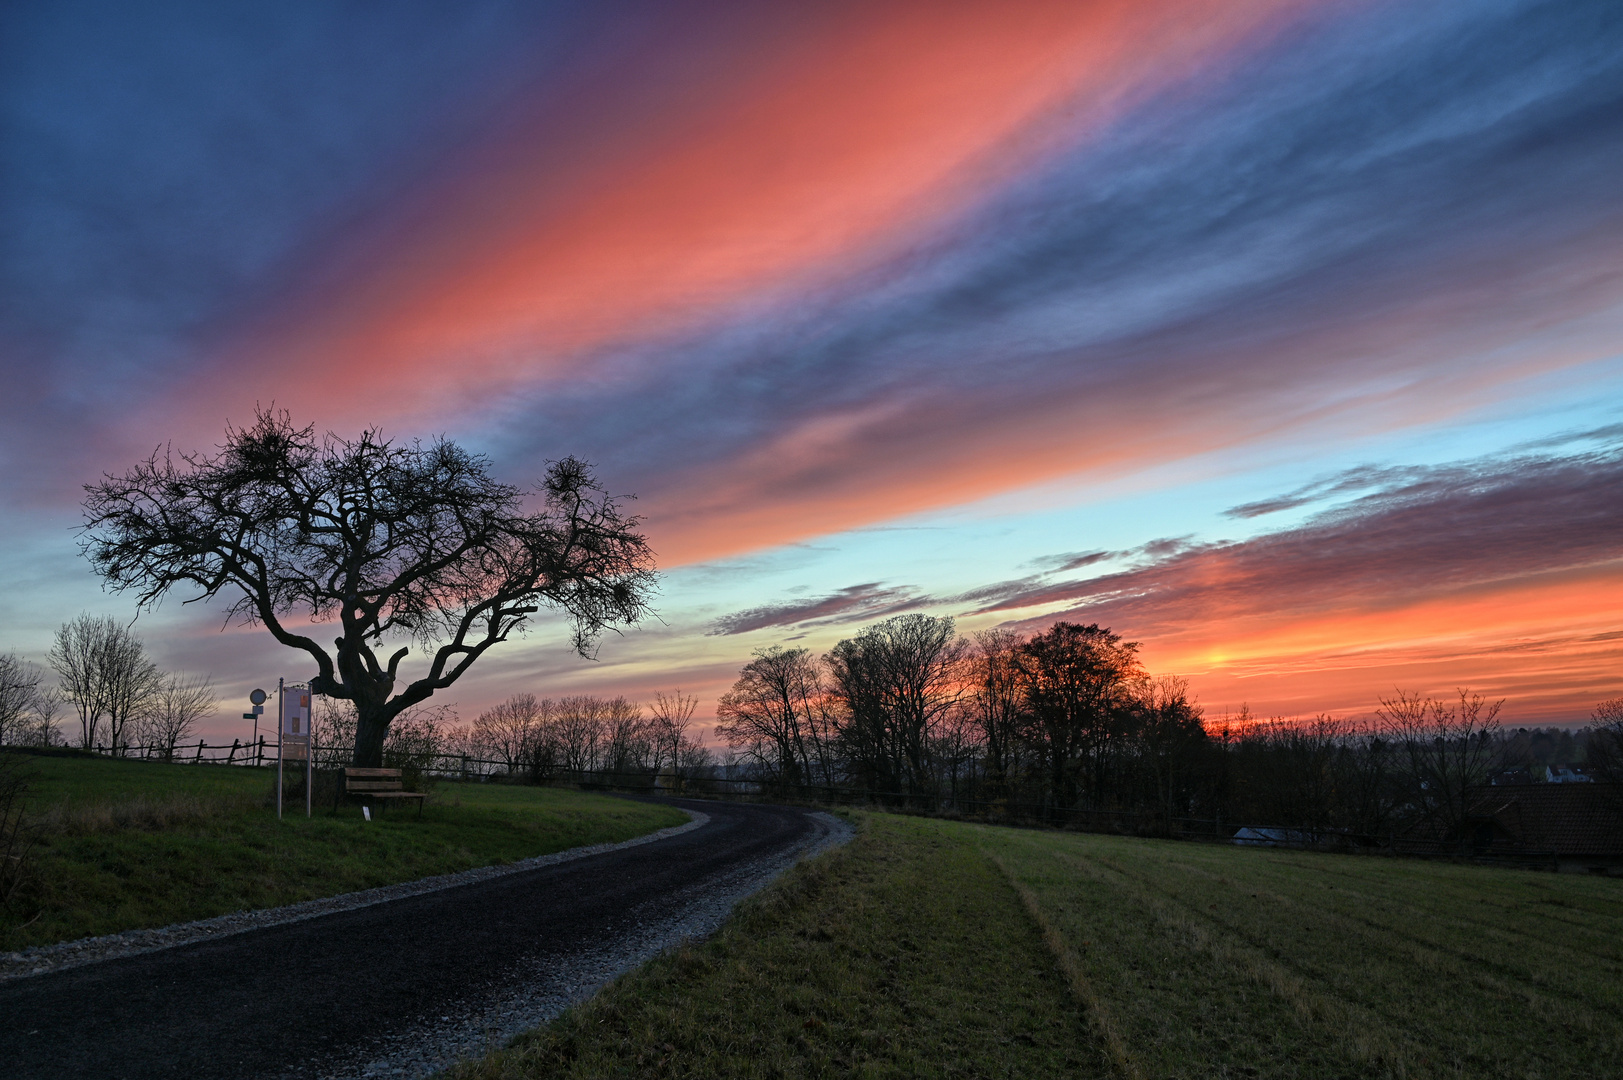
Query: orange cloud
{"points": [[1553, 647], [1503, 574]]}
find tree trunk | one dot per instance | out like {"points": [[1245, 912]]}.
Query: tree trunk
{"points": [[371, 725]]}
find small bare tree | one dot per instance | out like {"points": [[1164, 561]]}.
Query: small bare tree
{"points": [[509, 731], [38, 726], [76, 657], [1449, 749], [19, 697], [1604, 740], [997, 702], [173, 711], [106, 674], [669, 719], [627, 745], [579, 732]]}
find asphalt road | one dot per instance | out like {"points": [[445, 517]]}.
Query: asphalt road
{"points": [[286, 999]]}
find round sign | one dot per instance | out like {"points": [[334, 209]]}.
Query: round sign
{"points": [[257, 697]]}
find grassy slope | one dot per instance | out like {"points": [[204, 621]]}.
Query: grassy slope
{"points": [[134, 844], [934, 949]]}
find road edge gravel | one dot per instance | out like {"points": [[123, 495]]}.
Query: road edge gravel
{"points": [[467, 1030], [45, 959]]}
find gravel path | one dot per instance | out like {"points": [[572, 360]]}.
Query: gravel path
{"points": [[394, 986]]}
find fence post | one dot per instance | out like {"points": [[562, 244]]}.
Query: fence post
{"points": [[231, 758], [198, 759]]}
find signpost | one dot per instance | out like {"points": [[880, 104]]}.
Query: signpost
{"points": [[257, 700], [294, 739]]}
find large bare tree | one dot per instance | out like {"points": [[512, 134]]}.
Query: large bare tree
{"points": [[897, 680], [771, 714], [1078, 682], [371, 540]]}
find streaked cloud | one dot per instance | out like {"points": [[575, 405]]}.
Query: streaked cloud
{"points": [[850, 604], [1422, 532]]}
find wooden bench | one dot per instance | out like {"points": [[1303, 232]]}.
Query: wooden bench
{"points": [[381, 784]]}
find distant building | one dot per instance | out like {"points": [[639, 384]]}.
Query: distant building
{"points": [[1577, 825]]}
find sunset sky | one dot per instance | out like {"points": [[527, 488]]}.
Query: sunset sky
{"points": [[1285, 338]]}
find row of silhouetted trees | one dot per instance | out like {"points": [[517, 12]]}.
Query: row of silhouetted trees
{"points": [[121, 699], [538, 738], [1068, 721]]}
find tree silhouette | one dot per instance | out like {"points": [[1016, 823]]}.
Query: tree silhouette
{"points": [[374, 540], [1077, 682]]}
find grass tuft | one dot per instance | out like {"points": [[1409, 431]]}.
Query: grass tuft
{"points": [[150, 813]]}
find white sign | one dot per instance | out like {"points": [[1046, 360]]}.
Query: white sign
{"points": [[296, 713]]}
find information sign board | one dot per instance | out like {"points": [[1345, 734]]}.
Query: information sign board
{"points": [[296, 712], [294, 741]]}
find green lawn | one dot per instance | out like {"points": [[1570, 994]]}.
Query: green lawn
{"points": [[127, 845], [934, 949]]}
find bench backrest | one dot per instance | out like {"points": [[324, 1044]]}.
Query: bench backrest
{"points": [[372, 780]]}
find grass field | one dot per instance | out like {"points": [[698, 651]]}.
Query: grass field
{"points": [[128, 844], [934, 949]]}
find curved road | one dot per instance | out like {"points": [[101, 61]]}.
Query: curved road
{"points": [[303, 998]]}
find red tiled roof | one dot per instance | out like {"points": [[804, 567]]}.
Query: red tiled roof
{"points": [[1569, 819]]}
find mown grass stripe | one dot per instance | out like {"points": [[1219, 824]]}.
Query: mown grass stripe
{"points": [[1383, 993], [1512, 963], [1070, 965]]}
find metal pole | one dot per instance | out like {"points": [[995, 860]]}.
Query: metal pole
{"points": [[279, 741]]}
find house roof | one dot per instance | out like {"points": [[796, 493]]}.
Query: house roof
{"points": [[1569, 819]]}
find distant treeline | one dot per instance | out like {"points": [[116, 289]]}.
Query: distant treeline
{"points": [[105, 680], [1068, 720], [538, 738]]}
